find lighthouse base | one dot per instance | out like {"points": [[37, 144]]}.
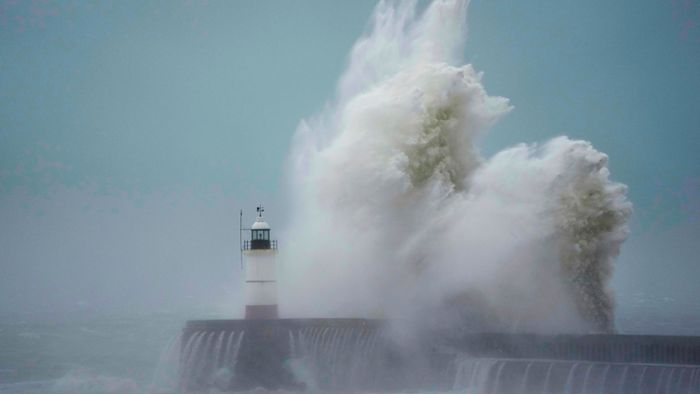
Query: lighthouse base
{"points": [[253, 312]]}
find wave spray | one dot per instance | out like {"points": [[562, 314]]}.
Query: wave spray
{"points": [[397, 215]]}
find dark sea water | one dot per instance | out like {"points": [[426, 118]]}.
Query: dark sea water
{"points": [[84, 355], [91, 354]]}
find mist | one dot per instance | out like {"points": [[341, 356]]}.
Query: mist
{"points": [[82, 253]]}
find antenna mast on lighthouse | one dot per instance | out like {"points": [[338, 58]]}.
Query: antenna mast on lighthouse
{"points": [[240, 237]]}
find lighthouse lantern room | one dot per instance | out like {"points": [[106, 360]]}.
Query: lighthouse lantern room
{"points": [[259, 253]]}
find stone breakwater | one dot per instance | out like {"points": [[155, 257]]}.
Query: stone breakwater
{"points": [[371, 355]]}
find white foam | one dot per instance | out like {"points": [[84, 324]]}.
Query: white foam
{"points": [[396, 214]]}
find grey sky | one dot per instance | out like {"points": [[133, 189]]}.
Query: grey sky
{"points": [[131, 132]]}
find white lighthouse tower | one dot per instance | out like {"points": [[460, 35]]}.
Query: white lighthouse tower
{"points": [[260, 271]]}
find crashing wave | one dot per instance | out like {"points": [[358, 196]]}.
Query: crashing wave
{"points": [[397, 215]]}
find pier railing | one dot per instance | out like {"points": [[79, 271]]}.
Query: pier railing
{"points": [[260, 244]]}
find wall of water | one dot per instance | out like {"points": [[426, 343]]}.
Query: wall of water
{"points": [[571, 377], [207, 359]]}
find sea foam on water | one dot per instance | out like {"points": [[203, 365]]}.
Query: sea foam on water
{"points": [[397, 215]]}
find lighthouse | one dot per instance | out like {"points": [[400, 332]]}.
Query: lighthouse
{"points": [[260, 271]]}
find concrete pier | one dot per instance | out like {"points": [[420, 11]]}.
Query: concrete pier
{"points": [[360, 354]]}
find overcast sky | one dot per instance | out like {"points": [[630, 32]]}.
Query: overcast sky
{"points": [[131, 132]]}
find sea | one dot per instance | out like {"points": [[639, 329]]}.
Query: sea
{"points": [[133, 354]]}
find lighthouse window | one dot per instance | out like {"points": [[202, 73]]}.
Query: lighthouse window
{"points": [[260, 235]]}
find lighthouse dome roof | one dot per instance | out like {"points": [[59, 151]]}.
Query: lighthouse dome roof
{"points": [[260, 224]]}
